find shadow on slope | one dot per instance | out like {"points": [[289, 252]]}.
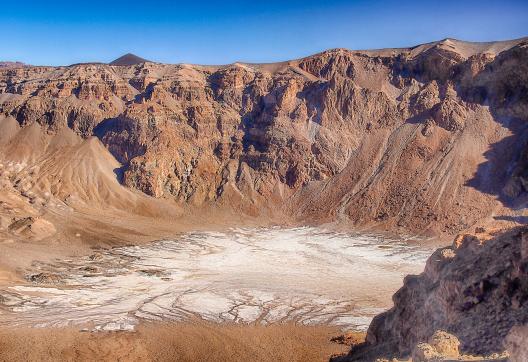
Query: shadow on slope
{"points": [[503, 86]]}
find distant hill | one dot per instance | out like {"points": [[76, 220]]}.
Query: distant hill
{"points": [[11, 64], [128, 59]]}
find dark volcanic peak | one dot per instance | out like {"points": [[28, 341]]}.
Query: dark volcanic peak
{"points": [[128, 59]]}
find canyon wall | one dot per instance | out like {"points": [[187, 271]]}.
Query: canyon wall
{"points": [[397, 138]]}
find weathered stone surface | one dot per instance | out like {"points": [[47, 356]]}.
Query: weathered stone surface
{"points": [[517, 344], [478, 294], [445, 344], [424, 352]]}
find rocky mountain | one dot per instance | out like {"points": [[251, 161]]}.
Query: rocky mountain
{"points": [[430, 138]]}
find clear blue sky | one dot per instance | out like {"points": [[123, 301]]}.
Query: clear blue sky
{"points": [[219, 32]]}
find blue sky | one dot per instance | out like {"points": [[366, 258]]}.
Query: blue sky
{"points": [[220, 32]]}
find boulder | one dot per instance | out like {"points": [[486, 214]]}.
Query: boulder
{"points": [[445, 344], [424, 352]]}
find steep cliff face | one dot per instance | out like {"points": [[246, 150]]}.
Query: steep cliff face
{"points": [[398, 138], [476, 289]]}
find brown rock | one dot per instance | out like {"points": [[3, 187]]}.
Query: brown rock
{"points": [[480, 293], [445, 344], [424, 352], [45, 278]]}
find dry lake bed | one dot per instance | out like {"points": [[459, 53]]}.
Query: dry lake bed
{"points": [[305, 275]]}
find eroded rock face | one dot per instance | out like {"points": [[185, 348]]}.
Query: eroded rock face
{"points": [[476, 290], [399, 138]]}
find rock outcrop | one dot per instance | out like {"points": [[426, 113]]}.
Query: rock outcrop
{"points": [[393, 138], [477, 290]]}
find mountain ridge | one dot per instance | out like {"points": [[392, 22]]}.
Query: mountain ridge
{"points": [[477, 46], [365, 132]]}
